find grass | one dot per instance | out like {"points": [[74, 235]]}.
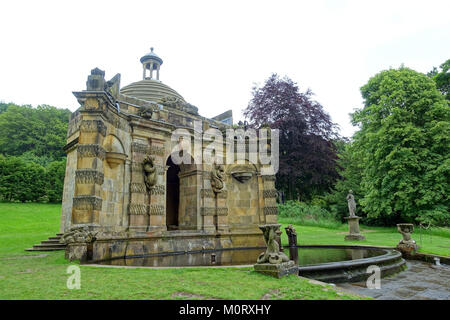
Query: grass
{"points": [[438, 243], [42, 275]]}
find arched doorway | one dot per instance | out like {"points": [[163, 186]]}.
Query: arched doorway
{"points": [[172, 195]]}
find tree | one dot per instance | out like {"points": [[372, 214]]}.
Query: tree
{"points": [[403, 145], [20, 180], [351, 175], [442, 79], [307, 153], [40, 130], [56, 171]]}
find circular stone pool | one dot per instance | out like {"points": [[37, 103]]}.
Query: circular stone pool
{"points": [[325, 263]]}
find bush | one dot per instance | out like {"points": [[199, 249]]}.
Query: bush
{"points": [[24, 180], [307, 214]]}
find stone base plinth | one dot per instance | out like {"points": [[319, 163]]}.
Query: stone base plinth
{"points": [[407, 248], [77, 251], [356, 237], [117, 245], [353, 228], [277, 270]]}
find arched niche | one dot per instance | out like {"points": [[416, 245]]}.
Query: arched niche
{"points": [[115, 153], [114, 182], [183, 184]]}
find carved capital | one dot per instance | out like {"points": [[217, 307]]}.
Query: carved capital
{"points": [[89, 176], [87, 202], [93, 126], [91, 150], [137, 209], [270, 211]]}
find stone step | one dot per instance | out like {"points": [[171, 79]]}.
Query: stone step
{"points": [[50, 242], [51, 246], [46, 249]]}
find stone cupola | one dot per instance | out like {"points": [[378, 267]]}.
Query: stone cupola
{"points": [[151, 62]]}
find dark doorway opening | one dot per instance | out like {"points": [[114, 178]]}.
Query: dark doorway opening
{"points": [[172, 195]]}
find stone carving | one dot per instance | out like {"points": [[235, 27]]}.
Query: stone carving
{"points": [[87, 203], [112, 86], [407, 243], [272, 193], [351, 204], [93, 126], [176, 103], [91, 150], [149, 172], [156, 210], [273, 262], [159, 189], [138, 188], [209, 193], [145, 112], [157, 151], [96, 80], [137, 209], [270, 211], [139, 147], [89, 176], [292, 235], [272, 254], [217, 178], [79, 234]]}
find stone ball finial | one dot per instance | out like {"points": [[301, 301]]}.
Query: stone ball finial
{"points": [[151, 49]]}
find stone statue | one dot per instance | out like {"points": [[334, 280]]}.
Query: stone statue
{"points": [[272, 254], [174, 102], [406, 229], [78, 235], [145, 112], [351, 203], [149, 172], [292, 235], [217, 178]]}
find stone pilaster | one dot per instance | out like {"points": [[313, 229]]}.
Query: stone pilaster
{"points": [[269, 194], [87, 200], [138, 208], [157, 209]]}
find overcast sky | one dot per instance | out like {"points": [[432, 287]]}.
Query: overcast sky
{"points": [[214, 51]]}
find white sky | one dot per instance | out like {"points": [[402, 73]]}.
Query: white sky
{"points": [[214, 51]]}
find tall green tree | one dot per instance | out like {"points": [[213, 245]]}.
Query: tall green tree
{"points": [[350, 171], [21, 181], [41, 131], [56, 171], [442, 78], [403, 145]]}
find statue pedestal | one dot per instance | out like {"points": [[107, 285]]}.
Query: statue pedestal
{"points": [[277, 270], [353, 227]]}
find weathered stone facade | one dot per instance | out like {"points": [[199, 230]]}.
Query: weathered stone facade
{"points": [[164, 207]]}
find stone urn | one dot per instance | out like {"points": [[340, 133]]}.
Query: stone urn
{"points": [[407, 244]]}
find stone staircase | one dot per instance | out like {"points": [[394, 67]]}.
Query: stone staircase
{"points": [[52, 244]]}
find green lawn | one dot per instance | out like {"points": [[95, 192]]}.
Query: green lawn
{"points": [[42, 275], [376, 236]]}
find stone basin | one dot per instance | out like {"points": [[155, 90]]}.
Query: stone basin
{"points": [[333, 264]]}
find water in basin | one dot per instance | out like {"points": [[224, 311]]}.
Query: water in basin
{"points": [[305, 256]]}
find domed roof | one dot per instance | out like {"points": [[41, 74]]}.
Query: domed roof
{"points": [[151, 55], [150, 90]]}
